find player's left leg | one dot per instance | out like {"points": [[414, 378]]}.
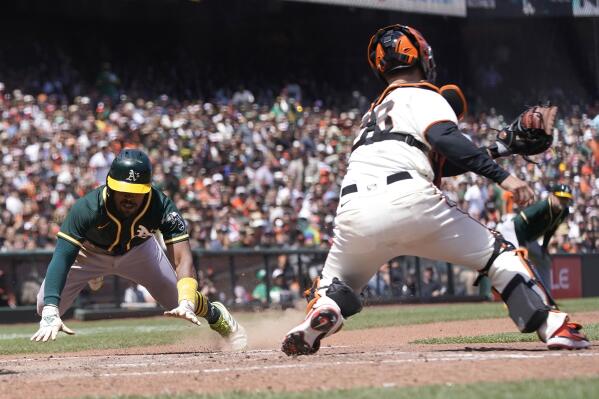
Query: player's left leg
{"points": [[148, 265], [462, 240], [508, 230], [365, 234]]}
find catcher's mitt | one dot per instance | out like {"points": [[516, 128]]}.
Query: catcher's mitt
{"points": [[531, 132]]}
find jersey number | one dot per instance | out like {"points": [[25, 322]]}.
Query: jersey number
{"points": [[377, 121]]}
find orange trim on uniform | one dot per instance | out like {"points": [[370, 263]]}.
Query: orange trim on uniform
{"points": [[460, 94], [312, 291], [380, 54], [422, 84], [425, 132], [437, 161], [523, 256]]}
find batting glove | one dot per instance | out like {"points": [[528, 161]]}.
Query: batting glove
{"points": [[50, 325], [186, 311]]}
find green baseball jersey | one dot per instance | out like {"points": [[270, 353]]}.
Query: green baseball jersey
{"points": [[94, 219], [536, 220]]}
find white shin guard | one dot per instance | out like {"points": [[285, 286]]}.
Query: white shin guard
{"points": [[529, 301]]}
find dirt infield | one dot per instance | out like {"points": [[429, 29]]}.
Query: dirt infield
{"points": [[365, 358]]}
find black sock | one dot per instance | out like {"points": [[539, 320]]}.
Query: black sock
{"points": [[213, 314]]}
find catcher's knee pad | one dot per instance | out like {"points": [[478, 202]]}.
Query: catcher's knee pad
{"points": [[344, 296], [525, 297]]}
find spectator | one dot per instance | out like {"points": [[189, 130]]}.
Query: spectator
{"points": [[136, 294], [100, 162], [108, 83], [7, 297], [429, 287]]}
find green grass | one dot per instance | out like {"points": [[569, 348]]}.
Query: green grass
{"points": [[386, 316], [106, 334], [591, 330], [125, 333], [580, 388]]}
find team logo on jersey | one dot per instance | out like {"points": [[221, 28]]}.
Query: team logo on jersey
{"points": [[143, 232], [175, 220], [133, 175]]}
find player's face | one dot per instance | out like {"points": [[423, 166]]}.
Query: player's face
{"points": [[565, 201], [127, 203]]}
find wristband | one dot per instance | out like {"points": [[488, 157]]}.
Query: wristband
{"points": [[187, 288]]}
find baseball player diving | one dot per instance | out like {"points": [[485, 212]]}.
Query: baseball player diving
{"points": [[540, 219], [390, 203], [109, 231]]}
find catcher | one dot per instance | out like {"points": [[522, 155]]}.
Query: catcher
{"points": [[390, 206], [109, 231]]}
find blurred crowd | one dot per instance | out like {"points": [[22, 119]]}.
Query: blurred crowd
{"points": [[246, 173]]}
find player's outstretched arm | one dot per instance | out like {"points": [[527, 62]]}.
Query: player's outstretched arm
{"points": [[63, 258], [179, 254], [461, 154], [447, 140]]}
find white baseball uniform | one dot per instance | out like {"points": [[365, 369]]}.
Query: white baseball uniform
{"points": [[379, 219]]}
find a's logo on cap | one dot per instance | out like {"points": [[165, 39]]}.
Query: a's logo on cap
{"points": [[133, 175]]}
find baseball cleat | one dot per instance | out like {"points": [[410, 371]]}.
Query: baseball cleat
{"points": [[319, 323], [568, 337], [229, 329]]}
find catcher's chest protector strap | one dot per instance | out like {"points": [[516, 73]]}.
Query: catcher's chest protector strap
{"points": [[383, 135], [499, 246], [525, 306]]}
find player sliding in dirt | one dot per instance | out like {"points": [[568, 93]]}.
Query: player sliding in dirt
{"points": [[109, 231], [391, 206]]}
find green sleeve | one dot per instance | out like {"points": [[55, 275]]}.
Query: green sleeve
{"points": [[536, 211], [78, 221], [555, 224], [172, 226], [63, 258]]}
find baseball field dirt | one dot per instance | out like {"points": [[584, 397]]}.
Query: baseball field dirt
{"points": [[376, 357]]}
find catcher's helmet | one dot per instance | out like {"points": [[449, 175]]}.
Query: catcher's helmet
{"points": [[562, 190], [398, 47], [130, 172]]}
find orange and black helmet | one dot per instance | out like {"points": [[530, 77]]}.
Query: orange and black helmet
{"points": [[398, 47]]}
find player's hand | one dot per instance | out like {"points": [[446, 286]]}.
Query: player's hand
{"points": [[523, 194], [185, 310], [50, 325]]}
